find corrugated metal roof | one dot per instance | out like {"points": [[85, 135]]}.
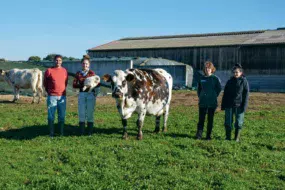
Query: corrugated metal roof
{"points": [[197, 40], [268, 37]]}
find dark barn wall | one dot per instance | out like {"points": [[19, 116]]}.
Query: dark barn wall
{"points": [[258, 59], [269, 59], [222, 57]]}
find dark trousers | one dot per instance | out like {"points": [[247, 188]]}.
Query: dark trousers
{"points": [[202, 115]]}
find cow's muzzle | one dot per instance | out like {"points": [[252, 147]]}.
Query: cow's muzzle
{"points": [[117, 94]]}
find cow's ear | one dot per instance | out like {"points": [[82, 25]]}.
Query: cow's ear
{"points": [[130, 77], [107, 78]]}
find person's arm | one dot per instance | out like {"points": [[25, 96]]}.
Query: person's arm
{"points": [[76, 81], [199, 89], [218, 87], [66, 80], [45, 80], [225, 96], [245, 95]]}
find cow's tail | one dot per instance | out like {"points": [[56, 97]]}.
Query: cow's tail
{"points": [[39, 84]]}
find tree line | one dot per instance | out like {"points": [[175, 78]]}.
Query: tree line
{"points": [[50, 57]]}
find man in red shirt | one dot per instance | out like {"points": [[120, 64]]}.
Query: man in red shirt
{"points": [[55, 82]]}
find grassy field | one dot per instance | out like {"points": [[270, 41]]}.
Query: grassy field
{"points": [[172, 160]]}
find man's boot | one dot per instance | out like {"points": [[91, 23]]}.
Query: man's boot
{"points": [[82, 127], [228, 133], [51, 128], [61, 127], [199, 134], [90, 128], [237, 135]]}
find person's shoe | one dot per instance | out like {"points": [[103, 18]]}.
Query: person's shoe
{"points": [[199, 134], [208, 137], [90, 126], [237, 135], [61, 127], [82, 127], [51, 128], [228, 133]]}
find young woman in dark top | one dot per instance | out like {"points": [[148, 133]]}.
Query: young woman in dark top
{"points": [[235, 101], [209, 88]]}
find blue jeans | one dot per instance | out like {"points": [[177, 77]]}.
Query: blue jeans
{"points": [[56, 103], [229, 116], [86, 106]]}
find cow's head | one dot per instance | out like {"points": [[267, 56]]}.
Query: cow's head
{"points": [[2, 75], [119, 83]]}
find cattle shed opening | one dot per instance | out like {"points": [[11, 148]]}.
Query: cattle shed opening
{"points": [[260, 52]]}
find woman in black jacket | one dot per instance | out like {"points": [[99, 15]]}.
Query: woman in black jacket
{"points": [[234, 102], [209, 88]]}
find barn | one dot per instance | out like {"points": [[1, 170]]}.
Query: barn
{"points": [[260, 52]]}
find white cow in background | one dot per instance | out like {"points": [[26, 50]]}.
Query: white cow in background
{"points": [[24, 79]]}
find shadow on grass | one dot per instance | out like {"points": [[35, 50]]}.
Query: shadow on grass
{"points": [[179, 135], [7, 102], [31, 132]]}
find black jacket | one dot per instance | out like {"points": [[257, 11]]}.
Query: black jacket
{"points": [[209, 88], [236, 93]]}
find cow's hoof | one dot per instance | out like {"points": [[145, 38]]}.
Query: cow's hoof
{"points": [[139, 137], [164, 130], [125, 136], [156, 130]]}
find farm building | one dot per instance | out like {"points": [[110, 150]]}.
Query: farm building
{"points": [[261, 53]]}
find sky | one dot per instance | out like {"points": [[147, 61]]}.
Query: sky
{"points": [[69, 27]]}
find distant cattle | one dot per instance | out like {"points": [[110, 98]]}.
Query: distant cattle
{"points": [[91, 83], [145, 91], [24, 79]]}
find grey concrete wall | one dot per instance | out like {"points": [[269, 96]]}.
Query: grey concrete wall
{"points": [[182, 74], [258, 83]]}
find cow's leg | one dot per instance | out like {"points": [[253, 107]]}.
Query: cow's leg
{"points": [[125, 133], [157, 124], [140, 125], [165, 115], [16, 94], [40, 94], [34, 95]]}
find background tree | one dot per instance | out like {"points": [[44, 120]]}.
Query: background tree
{"points": [[49, 57], [34, 59]]}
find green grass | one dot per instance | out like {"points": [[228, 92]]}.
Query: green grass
{"points": [[30, 159], [174, 160]]}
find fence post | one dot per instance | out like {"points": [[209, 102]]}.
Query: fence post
{"points": [[131, 64]]}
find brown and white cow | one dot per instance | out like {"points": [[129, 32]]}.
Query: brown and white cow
{"points": [[145, 91], [24, 79]]}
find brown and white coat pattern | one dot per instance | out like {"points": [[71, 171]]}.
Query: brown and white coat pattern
{"points": [[144, 91]]}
